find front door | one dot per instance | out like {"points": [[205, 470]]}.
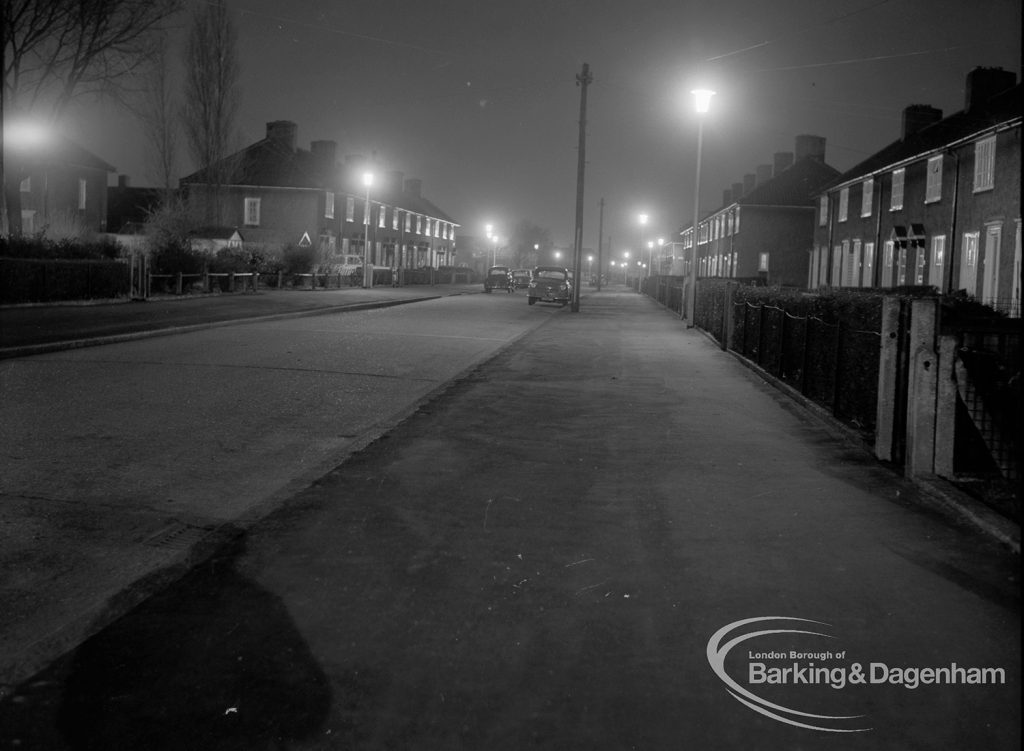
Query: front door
{"points": [[990, 263]]}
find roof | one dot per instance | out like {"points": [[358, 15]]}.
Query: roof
{"points": [[215, 233], [273, 164], [1001, 109], [269, 163], [794, 186], [56, 150]]}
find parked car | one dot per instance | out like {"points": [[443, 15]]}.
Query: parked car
{"points": [[522, 278], [498, 277], [550, 284]]}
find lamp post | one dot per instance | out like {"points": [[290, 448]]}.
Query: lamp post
{"points": [[625, 267], [494, 252], [702, 99], [367, 260], [643, 224], [590, 266], [661, 254]]}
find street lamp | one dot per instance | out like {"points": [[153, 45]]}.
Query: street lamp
{"points": [[643, 224], [590, 266], [494, 253], [702, 100], [367, 261]]}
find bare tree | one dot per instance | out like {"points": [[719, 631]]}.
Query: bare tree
{"points": [[56, 51], [157, 113], [211, 98]]}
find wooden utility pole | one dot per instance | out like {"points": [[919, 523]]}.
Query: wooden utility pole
{"points": [[583, 80], [600, 244]]}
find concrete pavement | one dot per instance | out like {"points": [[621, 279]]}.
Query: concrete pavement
{"points": [[539, 557], [641, 388]]}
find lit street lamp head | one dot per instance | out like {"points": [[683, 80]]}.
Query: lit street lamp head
{"points": [[702, 98]]}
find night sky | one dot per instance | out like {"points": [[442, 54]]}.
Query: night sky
{"points": [[478, 98]]}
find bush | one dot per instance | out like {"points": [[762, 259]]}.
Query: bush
{"points": [[40, 247], [296, 260]]}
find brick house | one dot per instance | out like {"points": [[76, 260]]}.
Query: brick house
{"points": [[279, 195], [54, 182], [765, 225], [940, 206]]}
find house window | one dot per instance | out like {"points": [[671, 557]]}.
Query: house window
{"points": [[350, 209], [702, 238], [762, 262], [867, 196], [823, 211], [408, 222], [729, 226], [28, 221], [898, 177], [736, 229], [933, 188], [844, 204], [329, 205], [394, 219], [382, 217], [867, 279], [81, 193], [26, 185], [938, 261], [984, 164], [419, 225], [252, 212]]}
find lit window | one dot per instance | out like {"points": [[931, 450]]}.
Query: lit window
{"points": [[933, 188], [887, 257], [898, 177], [350, 209], [81, 193], [394, 219], [408, 222], [329, 205], [984, 164], [252, 212], [731, 220], [737, 227], [382, 217], [762, 262], [844, 204], [823, 210], [867, 196]]}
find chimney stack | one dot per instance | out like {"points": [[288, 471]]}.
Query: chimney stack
{"points": [[414, 187], [808, 146], [324, 153], [764, 173], [917, 117], [727, 196], [783, 161], [737, 192], [749, 182], [283, 132], [985, 83]]}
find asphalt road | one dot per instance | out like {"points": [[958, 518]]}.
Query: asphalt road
{"points": [[540, 557]]}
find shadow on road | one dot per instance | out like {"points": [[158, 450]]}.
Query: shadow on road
{"points": [[214, 662]]}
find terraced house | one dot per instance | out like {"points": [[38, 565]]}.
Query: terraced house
{"points": [[940, 206], [765, 225], [278, 195]]}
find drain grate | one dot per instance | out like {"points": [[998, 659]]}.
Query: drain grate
{"points": [[177, 536]]}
